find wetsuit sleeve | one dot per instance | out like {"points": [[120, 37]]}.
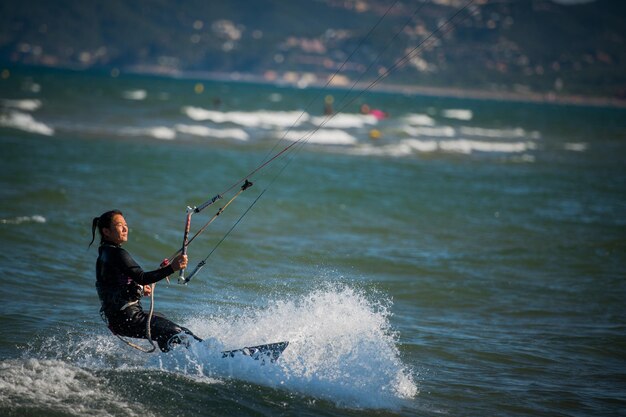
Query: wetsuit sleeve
{"points": [[134, 271]]}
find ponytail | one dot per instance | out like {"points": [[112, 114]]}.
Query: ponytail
{"points": [[94, 224], [102, 222]]}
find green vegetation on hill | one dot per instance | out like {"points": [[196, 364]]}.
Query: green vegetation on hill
{"points": [[518, 45]]}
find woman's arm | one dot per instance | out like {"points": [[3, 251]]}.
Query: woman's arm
{"points": [[137, 274]]}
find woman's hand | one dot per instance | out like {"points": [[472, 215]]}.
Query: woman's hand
{"points": [[179, 262], [147, 290]]}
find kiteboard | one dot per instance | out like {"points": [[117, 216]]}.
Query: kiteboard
{"points": [[261, 353]]}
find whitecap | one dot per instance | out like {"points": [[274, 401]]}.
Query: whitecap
{"points": [[468, 146], [25, 104], [24, 219], [345, 121], [419, 120], [248, 119], [459, 114], [59, 388], [395, 150], [320, 137], [200, 114], [438, 131], [135, 94], [157, 132], [517, 132], [25, 122], [407, 147], [207, 132]]}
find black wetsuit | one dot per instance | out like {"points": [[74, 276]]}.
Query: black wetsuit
{"points": [[119, 282]]}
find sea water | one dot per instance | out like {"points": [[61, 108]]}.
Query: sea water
{"points": [[459, 257]]}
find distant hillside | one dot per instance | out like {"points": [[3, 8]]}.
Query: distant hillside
{"points": [[507, 46]]}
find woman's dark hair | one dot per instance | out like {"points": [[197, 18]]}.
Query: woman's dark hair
{"points": [[102, 222]]}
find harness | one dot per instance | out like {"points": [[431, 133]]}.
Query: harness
{"points": [[148, 323]]}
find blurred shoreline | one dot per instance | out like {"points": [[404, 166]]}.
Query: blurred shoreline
{"points": [[406, 89], [339, 82]]}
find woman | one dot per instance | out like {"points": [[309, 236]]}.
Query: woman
{"points": [[121, 283]]}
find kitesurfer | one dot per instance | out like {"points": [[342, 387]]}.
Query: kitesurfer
{"points": [[377, 113], [121, 283]]}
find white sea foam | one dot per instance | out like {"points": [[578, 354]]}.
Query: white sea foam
{"points": [[344, 121], [438, 131], [419, 120], [408, 147], [25, 104], [397, 150], [25, 122], [268, 119], [459, 114], [575, 147], [404, 148], [135, 94], [24, 219], [60, 388], [468, 146], [158, 132], [517, 132], [341, 348], [207, 132], [320, 137]]}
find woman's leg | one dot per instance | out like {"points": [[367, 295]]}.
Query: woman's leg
{"points": [[132, 323], [165, 332]]}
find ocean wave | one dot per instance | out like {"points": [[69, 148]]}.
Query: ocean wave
{"points": [[404, 148], [575, 147], [517, 132], [468, 146], [459, 114], [344, 121], [320, 137], [24, 122], [59, 388], [438, 131], [419, 120], [341, 349], [157, 132], [420, 145], [24, 104], [24, 219], [135, 94], [408, 147], [207, 132], [267, 119]]}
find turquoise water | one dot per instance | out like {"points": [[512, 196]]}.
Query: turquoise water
{"points": [[470, 261]]}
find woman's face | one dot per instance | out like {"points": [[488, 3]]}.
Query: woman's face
{"points": [[118, 232]]}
